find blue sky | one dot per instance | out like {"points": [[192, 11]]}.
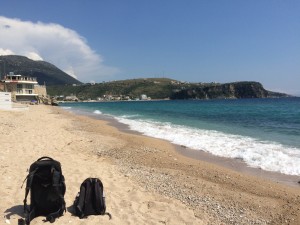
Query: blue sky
{"points": [[188, 40]]}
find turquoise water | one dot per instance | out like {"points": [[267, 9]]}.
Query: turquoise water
{"points": [[265, 133]]}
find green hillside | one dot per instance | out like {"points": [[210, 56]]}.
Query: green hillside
{"points": [[44, 72], [161, 88], [157, 88], [61, 84]]}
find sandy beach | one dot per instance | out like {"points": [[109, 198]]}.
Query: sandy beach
{"points": [[146, 180]]}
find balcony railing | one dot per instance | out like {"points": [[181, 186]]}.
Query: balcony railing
{"points": [[20, 78], [25, 92]]}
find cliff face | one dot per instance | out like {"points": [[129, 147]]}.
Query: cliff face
{"points": [[229, 90]]}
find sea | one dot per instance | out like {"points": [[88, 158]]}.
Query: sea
{"points": [[263, 133]]}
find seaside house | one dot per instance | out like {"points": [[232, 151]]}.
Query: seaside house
{"points": [[144, 97], [23, 88], [71, 98]]}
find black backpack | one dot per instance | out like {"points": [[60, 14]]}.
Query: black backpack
{"points": [[47, 189], [90, 200]]}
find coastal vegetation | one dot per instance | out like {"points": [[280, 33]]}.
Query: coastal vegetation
{"points": [[60, 84], [162, 88]]}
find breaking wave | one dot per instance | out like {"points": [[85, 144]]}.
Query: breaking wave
{"points": [[270, 156]]}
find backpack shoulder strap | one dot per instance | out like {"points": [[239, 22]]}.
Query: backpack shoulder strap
{"points": [[59, 185], [88, 191], [100, 198], [29, 179], [29, 213], [81, 200], [52, 216], [58, 181]]}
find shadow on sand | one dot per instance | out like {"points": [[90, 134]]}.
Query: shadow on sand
{"points": [[15, 210]]}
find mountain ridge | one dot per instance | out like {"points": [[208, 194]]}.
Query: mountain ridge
{"points": [[45, 72]]}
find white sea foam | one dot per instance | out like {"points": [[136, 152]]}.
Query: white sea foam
{"points": [[131, 116], [97, 112], [268, 156], [67, 107]]}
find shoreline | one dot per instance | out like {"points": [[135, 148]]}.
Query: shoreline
{"points": [[240, 166], [223, 195], [146, 180], [233, 164]]}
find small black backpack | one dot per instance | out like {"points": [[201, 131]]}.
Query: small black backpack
{"points": [[47, 189], [90, 200]]}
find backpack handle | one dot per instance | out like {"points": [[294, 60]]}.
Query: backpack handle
{"points": [[45, 157]]}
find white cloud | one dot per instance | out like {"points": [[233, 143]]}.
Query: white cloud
{"points": [[53, 43], [6, 52], [33, 56]]}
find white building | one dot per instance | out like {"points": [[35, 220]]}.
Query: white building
{"points": [[22, 88]]}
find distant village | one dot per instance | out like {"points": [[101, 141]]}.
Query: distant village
{"points": [[108, 97], [74, 98], [16, 89], [19, 89]]}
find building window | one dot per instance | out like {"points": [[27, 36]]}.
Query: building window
{"points": [[19, 86], [28, 91]]}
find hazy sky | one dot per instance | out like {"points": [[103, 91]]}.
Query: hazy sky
{"points": [[187, 40]]}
